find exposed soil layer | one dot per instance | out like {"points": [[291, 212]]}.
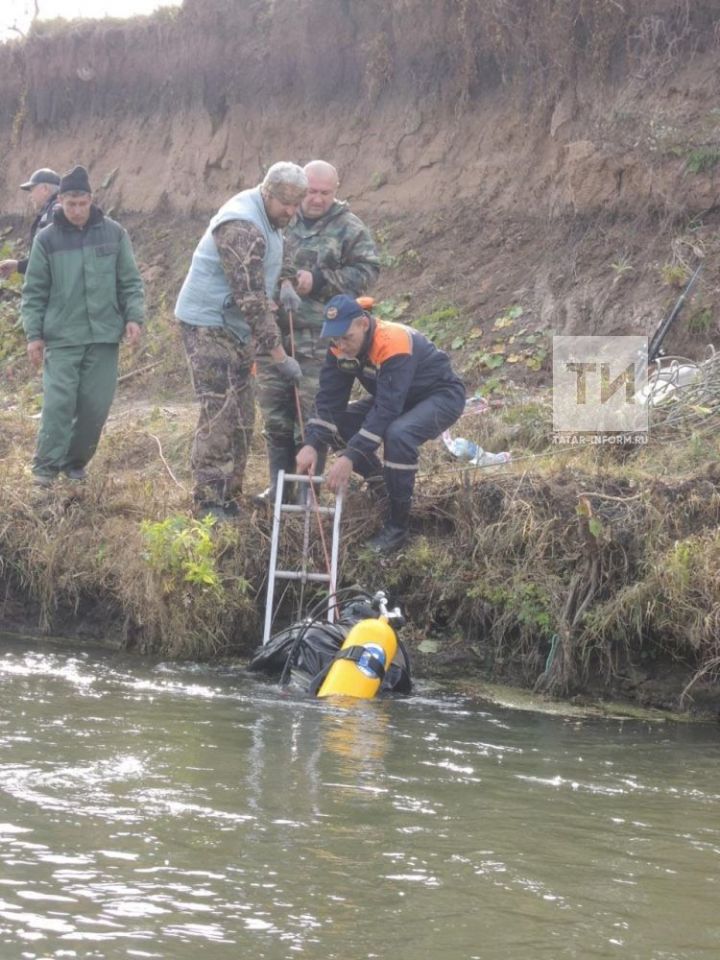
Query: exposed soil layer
{"points": [[556, 153]]}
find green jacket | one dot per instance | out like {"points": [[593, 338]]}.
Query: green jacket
{"points": [[82, 285]]}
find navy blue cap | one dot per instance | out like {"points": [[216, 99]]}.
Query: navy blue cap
{"points": [[339, 313], [43, 175]]}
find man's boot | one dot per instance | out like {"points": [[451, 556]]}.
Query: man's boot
{"points": [[280, 457], [213, 499], [396, 530], [220, 512]]}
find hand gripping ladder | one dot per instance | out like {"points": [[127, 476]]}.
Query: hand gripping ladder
{"points": [[308, 508]]}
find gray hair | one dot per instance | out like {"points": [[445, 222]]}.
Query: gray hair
{"points": [[284, 175]]}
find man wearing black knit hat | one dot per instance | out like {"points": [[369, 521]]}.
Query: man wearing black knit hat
{"points": [[83, 293]]}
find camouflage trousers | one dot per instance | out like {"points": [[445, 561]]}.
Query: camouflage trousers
{"points": [[277, 398], [221, 371]]}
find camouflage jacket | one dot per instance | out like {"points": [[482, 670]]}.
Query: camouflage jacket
{"points": [[241, 247], [338, 250]]}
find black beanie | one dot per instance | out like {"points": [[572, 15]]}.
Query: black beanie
{"points": [[75, 180]]}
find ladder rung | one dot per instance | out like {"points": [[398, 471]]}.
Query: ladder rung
{"points": [[298, 575], [304, 478], [296, 508], [329, 578]]}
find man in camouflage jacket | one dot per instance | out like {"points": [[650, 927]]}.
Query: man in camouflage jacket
{"points": [[328, 250], [225, 309]]}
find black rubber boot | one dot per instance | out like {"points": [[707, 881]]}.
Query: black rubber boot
{"points": [[214, 500], [221, 512], [395, 533], [280, 457]]}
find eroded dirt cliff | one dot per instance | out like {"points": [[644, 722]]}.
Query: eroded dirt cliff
{"points": [[557, 153]]}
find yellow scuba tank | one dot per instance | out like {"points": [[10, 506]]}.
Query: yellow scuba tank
{"points": [[360, 664]]}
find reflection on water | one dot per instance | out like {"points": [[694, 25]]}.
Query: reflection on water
{"points": [[155, 811]]}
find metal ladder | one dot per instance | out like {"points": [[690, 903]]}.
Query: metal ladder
{"points": [[308, 509]]}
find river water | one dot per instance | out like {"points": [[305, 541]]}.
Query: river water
{"points": [[164, 811]]}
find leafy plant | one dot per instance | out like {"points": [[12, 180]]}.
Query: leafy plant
{"points": [[387, 260], [391, 260], [508, 317], [528, 603], [674, 274], [182, 547], [438, 325], [392, 309], [491, 360], [620, 268], [410, 258]]}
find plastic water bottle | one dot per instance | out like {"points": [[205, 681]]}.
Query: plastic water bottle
{"points": [[464, 449], [484, 458], [470, 452]]}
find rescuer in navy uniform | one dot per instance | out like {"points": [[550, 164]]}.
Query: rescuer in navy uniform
{"points": [[414, 394]]}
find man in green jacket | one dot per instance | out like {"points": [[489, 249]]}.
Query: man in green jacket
{"points": [[83, 293]]}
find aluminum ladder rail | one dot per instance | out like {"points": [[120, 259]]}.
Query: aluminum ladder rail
{"points": [[308, 508]]}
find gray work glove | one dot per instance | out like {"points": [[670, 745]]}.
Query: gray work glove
{"points": [[289, 369], [289, 300]]}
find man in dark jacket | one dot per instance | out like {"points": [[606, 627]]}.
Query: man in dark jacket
{"points": [[43, 189], [82, 294], [414, 396]]}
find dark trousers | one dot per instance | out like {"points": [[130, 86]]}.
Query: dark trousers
{"points": [[78, 390], [403, 438]]}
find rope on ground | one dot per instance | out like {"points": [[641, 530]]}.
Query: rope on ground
{"points": [[138, 370], [166, 464], [685, 393]]}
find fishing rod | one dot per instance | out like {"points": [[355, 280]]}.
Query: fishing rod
{"points": [[655, 347]]}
